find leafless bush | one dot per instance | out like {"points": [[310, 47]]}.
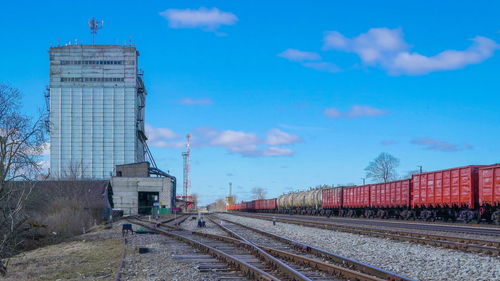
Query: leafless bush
{"points": [[21, 144], [218, 206], [68, 208]]}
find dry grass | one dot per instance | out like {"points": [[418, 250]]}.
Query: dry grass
{"points": [[76, 260]]}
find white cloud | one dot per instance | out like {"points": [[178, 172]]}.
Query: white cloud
{"points": [[159, 133], [332, 112], [414, 63], [247, 144], [355, 111], [363, 110], [277, 151], [386, 48], [433, 144], [236, 141], [279, 137], [206, 19], [190, 101], [163, 137], [371, 46], [309, 60], [298, 55]]}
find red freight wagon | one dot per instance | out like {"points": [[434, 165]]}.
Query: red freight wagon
{"points": [[390, 194], [332, 198], [250, 205], [356, 196], [489, 185], [270, 204], [446, 188], [259, 204], [265, 204]]}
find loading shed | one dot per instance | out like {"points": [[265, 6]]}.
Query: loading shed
{"points": [[137, 186]]}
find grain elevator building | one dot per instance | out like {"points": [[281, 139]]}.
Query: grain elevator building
{"points": [[97, 100]]}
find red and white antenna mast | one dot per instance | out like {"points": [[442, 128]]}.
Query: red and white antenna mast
{"points": [[186, 181]]}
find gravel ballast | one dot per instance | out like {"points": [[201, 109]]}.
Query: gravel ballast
{"points": [[413, 260], [361, 223], [209, 228], [160, 264]]}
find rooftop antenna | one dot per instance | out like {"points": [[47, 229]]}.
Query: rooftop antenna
{"points": [[186, 180], [95, 25]]}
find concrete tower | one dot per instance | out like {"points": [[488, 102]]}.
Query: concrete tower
{"points": [[97, 100]]}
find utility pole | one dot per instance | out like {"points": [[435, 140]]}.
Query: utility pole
{"points": [[230, 188], [363, 180], [186, 180], [420, 168]]}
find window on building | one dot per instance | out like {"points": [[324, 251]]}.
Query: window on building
{"points": [[79, 62]]}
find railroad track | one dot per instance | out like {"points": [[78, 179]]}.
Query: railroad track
{"points": [[303, 254], [431, 226], [451, 242], [266, 263]]}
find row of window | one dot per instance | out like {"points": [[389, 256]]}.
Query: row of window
{"points": [[91, 62], [91, 79]]}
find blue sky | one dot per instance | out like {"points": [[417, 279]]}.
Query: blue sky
{"points": [[287, 95]]}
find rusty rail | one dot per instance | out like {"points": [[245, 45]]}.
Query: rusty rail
{"points": [[246, 268], [291, 272], [349, 263], [450, 242]]}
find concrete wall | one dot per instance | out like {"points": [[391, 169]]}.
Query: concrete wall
{"points": [[96, 109], [126, 191], [133, 170]]}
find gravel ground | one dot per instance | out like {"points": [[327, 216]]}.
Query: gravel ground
{"points": [[454, 234], [413, 260], [209, 228], [160, 263], [443, 233], [462, 235]]}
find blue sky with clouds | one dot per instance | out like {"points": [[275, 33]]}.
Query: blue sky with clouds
{"points": [[287, 95]]}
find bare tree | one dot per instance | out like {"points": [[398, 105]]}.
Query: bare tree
{"points": [[21, 144], [218, 206], [75, 170], [258, 193], [382, 168]]}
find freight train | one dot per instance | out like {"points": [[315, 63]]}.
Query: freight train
{"points": [[470, 194]]}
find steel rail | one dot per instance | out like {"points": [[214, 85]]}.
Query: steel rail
{"points": [[334, 270], [450, 242], [291, 272], [350, 263], [330, 268], [246, 268]]}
